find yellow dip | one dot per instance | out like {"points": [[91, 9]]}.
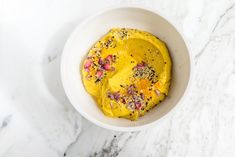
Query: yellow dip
{"points": [[127, 72]]}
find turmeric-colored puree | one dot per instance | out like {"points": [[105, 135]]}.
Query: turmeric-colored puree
{"points": [[128, 72]]}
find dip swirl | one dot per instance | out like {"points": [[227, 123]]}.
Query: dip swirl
{"points": [[127, 72]]}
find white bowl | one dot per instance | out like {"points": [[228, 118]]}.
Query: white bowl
{"points": [[88, 32]]}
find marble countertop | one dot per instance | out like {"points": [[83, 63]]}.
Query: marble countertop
{"points": [[37, 120]]}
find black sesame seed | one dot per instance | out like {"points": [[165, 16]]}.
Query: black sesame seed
{"points": [[97, 80]]}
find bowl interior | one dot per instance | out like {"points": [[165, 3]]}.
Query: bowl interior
{"points": [[90, 31]]}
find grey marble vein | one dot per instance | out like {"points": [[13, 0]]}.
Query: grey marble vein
{"points": [[222, 16], [51, 58], [6, 120], [113, 148], [37, 119], [77, 129], [213, 30]]}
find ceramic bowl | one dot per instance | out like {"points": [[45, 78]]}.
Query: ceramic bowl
{"points": [[91, 30]]}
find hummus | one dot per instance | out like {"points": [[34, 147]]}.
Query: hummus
{"points": [[127, 72]]}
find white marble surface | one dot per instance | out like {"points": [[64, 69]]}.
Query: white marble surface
{"points": [[36, 119]]}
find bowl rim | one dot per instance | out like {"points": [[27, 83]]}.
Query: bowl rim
{"points": [[126, 128]]}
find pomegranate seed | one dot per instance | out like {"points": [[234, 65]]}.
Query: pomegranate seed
{"points": [[87, 69], [99, 74], [107, 66], [88, 63], [109, 57]]}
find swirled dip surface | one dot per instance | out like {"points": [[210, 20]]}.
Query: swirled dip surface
{"points": [[127, 72]]}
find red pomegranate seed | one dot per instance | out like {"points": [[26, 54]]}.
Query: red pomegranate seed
{"points": [[99, 74], [88, 63], [109, 58], [87, 69], [107, 66]]}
